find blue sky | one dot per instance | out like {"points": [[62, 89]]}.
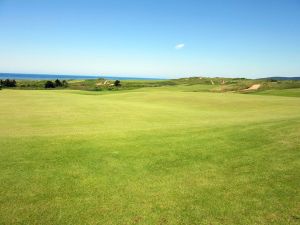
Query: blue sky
{"points": [[153, 38]]}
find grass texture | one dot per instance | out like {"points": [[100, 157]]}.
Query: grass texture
{"points": [[149, 156]]}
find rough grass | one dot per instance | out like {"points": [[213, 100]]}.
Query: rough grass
{"points": [[149, 156], [194, 84]]}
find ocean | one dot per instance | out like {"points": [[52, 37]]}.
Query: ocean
{"points": [[25, 76]]}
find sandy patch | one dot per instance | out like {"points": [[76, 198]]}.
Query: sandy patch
{"points": [[253, 87]]}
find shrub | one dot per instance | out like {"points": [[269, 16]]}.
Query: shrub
{"points": [[8, 83], [65, 83], [117, 83], [49, 84], [58, 83]]}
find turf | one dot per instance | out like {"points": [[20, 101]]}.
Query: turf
{"points": [[292, 92], [149, 156]]}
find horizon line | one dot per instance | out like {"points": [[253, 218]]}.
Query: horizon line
{"points": [[145, 76]]}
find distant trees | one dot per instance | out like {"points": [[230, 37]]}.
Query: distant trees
{"points": [[49, 84], [65, 83], [117, 83], [8, 83], [56, 83]]}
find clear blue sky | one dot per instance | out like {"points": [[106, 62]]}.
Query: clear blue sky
{"points": [[153, 38]]}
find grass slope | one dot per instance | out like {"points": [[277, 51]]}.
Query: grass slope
{"points": [[149, 156], [295, 92]]}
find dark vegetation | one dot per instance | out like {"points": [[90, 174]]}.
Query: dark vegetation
{"points": [[8, 83], [49, 84], [117, 83], [56, 84]]}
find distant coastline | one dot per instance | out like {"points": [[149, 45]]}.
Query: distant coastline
{"points": [[26, 76]]}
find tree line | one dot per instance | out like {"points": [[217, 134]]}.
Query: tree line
{"points": [[56, 83], [8, 83], [48, 84]]}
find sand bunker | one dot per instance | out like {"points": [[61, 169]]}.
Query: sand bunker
{"points": [[253, 87]]}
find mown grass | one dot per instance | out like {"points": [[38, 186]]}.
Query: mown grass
{"points": [[149, 156]]}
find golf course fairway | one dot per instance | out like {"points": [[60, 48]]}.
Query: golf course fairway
{"points": [[148, 156]]}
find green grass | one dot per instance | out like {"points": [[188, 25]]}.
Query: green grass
{"points": [[294, 92], [164, 155]]}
